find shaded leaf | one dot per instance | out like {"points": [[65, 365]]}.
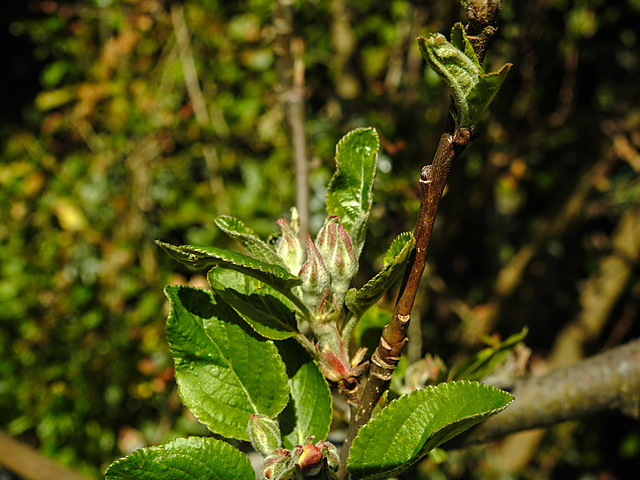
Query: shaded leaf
{"points": [[310, 409], [225, 372], [273, 275], [268, 313], [487, 359], [409, 427], [194, 458]]}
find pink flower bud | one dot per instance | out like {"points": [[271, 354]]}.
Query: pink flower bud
{"points": [[308, 458], [315, 278], [341, 259]]}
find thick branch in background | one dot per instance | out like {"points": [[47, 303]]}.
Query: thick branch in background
{"points": [[483, 18], [599, 294], [290, 88], [606, 382], [31, 464]]}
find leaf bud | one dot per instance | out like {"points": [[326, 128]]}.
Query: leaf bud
{"points": [[264, 434], [330, 452], [315, 278], [278, 466]]}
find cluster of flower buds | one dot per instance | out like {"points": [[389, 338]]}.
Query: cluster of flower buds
{"points": [[335, 246], [319, 461]]}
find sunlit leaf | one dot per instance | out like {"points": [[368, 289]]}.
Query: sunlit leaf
{"points": [[194, 458], [225, 371], [349, 192], [409, 427]]}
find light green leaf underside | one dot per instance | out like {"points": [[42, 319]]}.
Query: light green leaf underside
{"points": [[349, 193], [255, 246], [410, 426], [225, 372], [310, 409], [472, 88], [268, 312], [358, 301], [193, 458]]}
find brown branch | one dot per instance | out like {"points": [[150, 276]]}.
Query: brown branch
{"points": [[609, 381], [483, 17], [290, 69], [31, 464]]}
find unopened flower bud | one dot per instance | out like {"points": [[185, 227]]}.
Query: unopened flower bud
{"points": [[309, 458], [326, 239], [289, 248], [264, 434], [315, 278]]}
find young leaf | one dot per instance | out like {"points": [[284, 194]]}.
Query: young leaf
{"points": [[471, 87], [358, 301], [225, 372], [268, 313], [273, 275], [194, 458], [410, 426], [256, 247], [349, 192], [310, 409], [487, 359]]}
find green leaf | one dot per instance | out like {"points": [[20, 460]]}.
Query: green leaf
{"points": [[194, 458], [358, 301], [310, 409], [225, 372], [407, 429], [255, 246], [273, 275], [397, 246], [472, 88], [349, 192], [268, 312], [487, 359]]}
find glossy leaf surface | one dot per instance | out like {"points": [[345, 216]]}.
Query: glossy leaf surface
{"points": [[194, 458], [310, 409], [349, 192], [225, 372], [405, 431]]}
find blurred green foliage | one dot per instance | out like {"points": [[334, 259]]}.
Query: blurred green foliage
{"points": [[110, 154]]}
